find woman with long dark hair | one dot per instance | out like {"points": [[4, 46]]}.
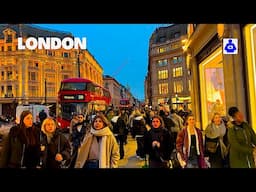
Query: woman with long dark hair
{"points": [[21, 148]]}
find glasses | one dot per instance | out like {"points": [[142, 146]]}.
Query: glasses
{"points": [[80, 117]]}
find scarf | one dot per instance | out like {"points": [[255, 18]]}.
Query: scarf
{"points": [[214, 131], [189, 141], [84, 149]]}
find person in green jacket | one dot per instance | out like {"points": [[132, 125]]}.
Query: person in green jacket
{"points": [[242, 139]]}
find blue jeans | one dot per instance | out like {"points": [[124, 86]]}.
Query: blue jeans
{"points": [[91, 164]]}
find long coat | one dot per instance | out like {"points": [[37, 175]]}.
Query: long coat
{"points": [[241, 140], [58, 144], [182, 146], [16, 153]]}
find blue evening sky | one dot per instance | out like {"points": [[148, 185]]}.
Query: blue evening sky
{"points": [[121, 49]]}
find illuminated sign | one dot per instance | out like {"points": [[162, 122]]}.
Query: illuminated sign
{"points": [[73, 97]]}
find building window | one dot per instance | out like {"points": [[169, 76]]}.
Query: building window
{"points": [[49, 53], [66, 54], [162, 39], [9, 39], [162, 49], [163, 88], [32, 76], [33, 91], [2, 48], [9, 48], [177, 35], [2, 91], [51, 92], [9, 75], [9, 91], [177, 59], [177, 72], [162, 62], [175, 45], [178, 86], [163, 74], [65, 76], [2, 75]]}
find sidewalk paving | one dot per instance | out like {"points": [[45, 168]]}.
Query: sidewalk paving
{"points": [[130, 160]]}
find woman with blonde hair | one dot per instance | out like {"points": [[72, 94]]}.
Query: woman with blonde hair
{"points": [[99, 148], [216, 142], [55, 147]]}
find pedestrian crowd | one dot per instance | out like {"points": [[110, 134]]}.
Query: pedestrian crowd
{"points": [[164, 139]]}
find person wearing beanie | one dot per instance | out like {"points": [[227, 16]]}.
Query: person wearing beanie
{"points": [[242, 141]]}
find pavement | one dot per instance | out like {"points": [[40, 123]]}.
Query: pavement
{"points": [[130, 160]]}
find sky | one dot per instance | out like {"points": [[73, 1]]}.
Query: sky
{"points": [[121, 49]]}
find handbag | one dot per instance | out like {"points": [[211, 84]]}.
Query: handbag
{"points": [[212, 146]]}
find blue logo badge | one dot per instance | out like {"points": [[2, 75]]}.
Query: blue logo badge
{"points": [[230, 46]]}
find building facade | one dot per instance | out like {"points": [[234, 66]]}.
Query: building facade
{"points": [[117, 91], [34, 76], [168, 80], [219, 79]]}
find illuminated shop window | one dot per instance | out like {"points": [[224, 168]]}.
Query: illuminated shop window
{"points": [[212, 87]]}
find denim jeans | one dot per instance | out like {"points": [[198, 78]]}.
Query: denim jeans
{"points": [[91, 164]]}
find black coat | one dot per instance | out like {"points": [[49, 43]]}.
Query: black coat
{"points": [[58, 144], [161, 135], [16, 153]]}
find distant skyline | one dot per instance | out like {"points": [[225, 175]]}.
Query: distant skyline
{"points": [[121, 49]]}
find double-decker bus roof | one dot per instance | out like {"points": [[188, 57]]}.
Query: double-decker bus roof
{"points": [[76, 80]]}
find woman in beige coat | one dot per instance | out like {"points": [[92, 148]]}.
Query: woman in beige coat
{"points": [[99, 148]]}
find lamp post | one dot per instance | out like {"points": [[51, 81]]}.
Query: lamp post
{"points": [[45, 91]]}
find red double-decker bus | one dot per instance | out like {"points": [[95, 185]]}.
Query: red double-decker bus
{"points": [[125, 103], [81, 96]]}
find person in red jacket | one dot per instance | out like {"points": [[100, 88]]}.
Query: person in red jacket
{"points": [[189, 145]]}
